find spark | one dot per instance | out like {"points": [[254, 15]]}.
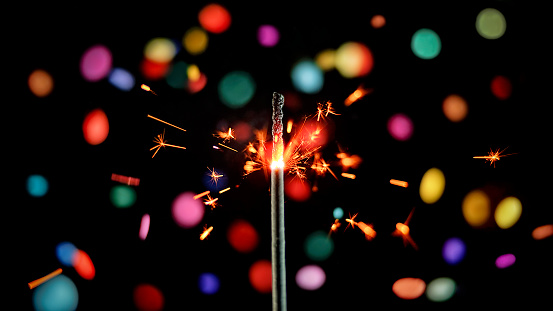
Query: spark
{"points": [[289, 126], [493, 156], [402, 230], [211, 201], [351, 221], [227, 147], [400, 183], [161, 142], [131, 181], [206, 232], [45, 278], [224, 190], [214, 175], [320, 166], [348, 175], [324, 109], [147, 89], [226, 136], [359, 93], [334, 226], [152, 117], [199, 195], [367, 230]]}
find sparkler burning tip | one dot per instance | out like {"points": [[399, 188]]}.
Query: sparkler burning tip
{"points": [[45, 278]]}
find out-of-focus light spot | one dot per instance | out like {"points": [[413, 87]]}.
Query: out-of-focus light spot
{"points": [[40, 83], [193, 72], [310, 277], [195, 40], [505, 260], [409, 288], [326, 59], [267, 35], [440, 289], [147, 297], [95, 63], [508, 212], [426, 43], [153, 70], [490, 23], [208, 283], [59, 293], [432, 186], [236, 89], [95, 127], [186, 211], [83, 265], [121, 79], [476, 208], [242, 131], [197, 85], [66, 253], [37, 185], [354, 59], [214, 18], [242, 236], [338, 213], [455, 108], [144, 227], [296, 189], [122, 196], [318, 246], [400, 127], [260, 276], [160, 50], [177, 75], [307, 77], [378, 21], [542, 232], [453, 250], [501, 87]]}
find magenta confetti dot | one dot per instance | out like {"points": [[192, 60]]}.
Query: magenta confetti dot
{"points": [[95, 63], [187, 212], [505, 261], [144, 227], [310, 277], [268, 35], [400, 127]]}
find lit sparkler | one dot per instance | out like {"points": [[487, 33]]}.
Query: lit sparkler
{"points": [[45, 278], [493, 156], [402, 230], [161, 142]]}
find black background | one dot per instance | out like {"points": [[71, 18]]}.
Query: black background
{"points": [[44, 136]]}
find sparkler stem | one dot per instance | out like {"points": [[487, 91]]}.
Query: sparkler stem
{"points": [[277, 209]]}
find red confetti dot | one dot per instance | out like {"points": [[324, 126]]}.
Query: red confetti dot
{"points": [[297, 189], [153, 70], [95, 127], [148, 298], [501, 87], [214, 18], [83, 265], [242, 236], [260, 276]]}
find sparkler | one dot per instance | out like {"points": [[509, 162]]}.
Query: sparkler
{"points": [[161, 142], [277, 208], [45, 278]]}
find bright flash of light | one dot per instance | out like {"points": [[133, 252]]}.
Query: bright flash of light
{"points": [[400, 183], [147, 89], [493, 156], [152, 117], [161, 142], [206, 232], [402, 230], [45, 278], [359, 93]]}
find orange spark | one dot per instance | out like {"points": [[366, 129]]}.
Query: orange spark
{"points": [[348, 175], [334, 226], [214, 175], [493, 156], [320, 166], [227, 147], [199, 195], [226, 136], [147, 89], [161, 142], [400, 183], [359, 93], [211, 201], [152, 117], [351, 221], [367, 230], [45, 278], [206, 232], [402, 230], [224, 190], [131, 181], [289, 126], [324, 109]]}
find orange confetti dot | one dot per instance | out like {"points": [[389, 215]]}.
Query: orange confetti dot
{"points": [[260, 276], [40, 83], [214, 18]]}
